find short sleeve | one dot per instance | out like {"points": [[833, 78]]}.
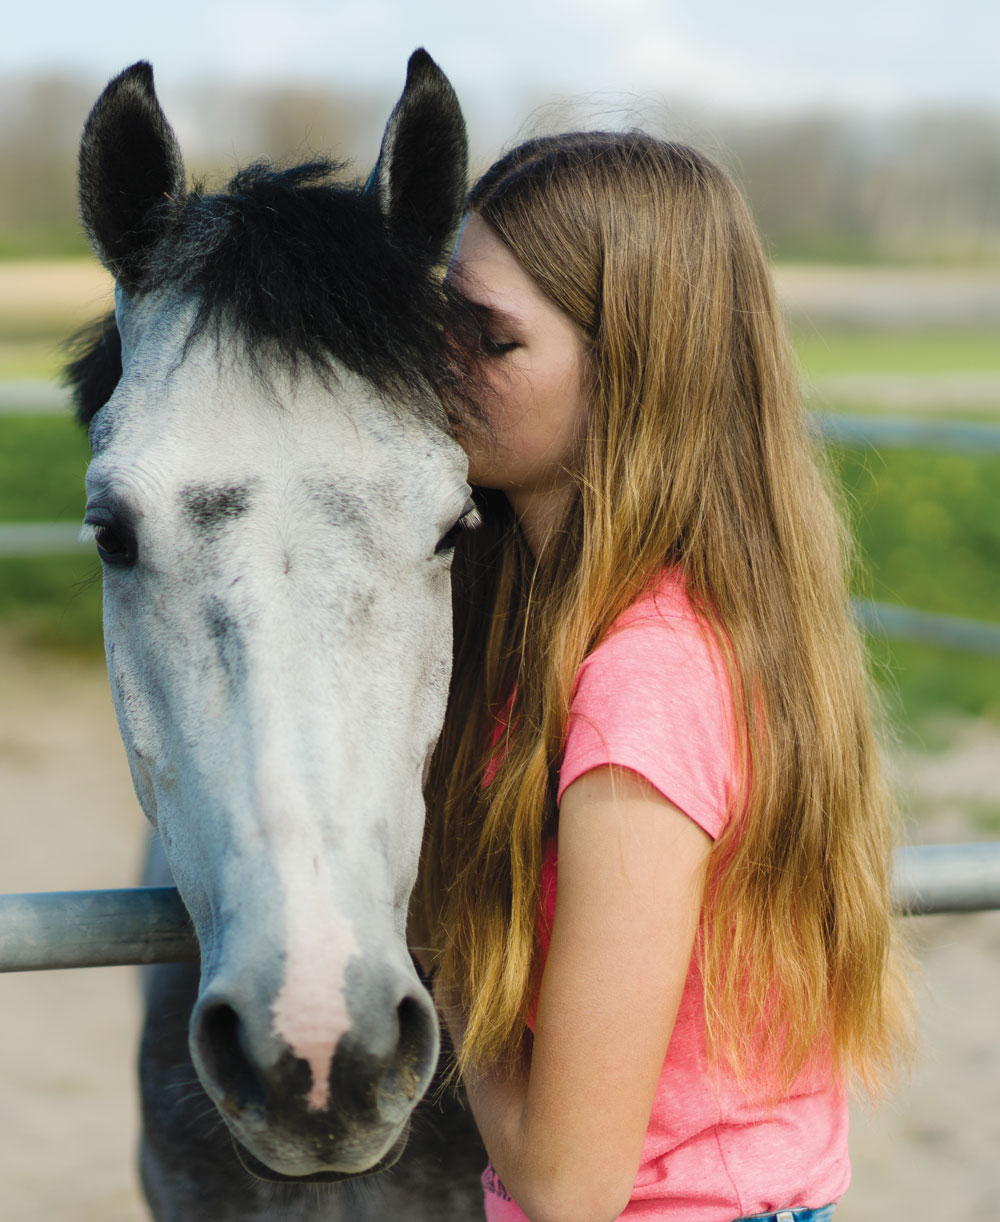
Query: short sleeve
{"points": [[653, 697]]}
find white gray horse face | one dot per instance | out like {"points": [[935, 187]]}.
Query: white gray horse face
{"points": [[277, 621], [276, 545]]}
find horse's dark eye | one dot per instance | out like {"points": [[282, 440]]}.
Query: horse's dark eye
{"points": [[448, 540], [114, 546], [468, 521]]}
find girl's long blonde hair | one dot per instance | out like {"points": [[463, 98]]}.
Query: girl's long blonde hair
{"points": [[696, 456]]}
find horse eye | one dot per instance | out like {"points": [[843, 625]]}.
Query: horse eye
{"points": [[114, 546], [448, 540], [468, 521]]}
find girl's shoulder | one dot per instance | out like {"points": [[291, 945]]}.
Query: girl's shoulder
{"points": [[665, 598], [661, 630], [653, 696]]}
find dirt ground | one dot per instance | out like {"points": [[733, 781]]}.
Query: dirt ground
{"points": [[904, 296], [72, 290], [68, 820], [67, 1039]]}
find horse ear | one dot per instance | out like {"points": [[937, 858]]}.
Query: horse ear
{"points": [[129, 162], [420, 175]]}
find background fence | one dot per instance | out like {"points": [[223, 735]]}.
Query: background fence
{"points": [[151, 925]]}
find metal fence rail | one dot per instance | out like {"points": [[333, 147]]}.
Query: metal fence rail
{"points": [[908, 624], [34, 398], [60, 929], [941, 878], [150, 924], [894, 432], [42, 539]]}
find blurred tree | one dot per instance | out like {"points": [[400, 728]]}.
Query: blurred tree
{"points": [[915, 187], [919, 187], [40, 123]]}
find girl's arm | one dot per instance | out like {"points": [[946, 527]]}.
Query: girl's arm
{"points": [[565, 1135]]}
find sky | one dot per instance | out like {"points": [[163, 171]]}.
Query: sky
{"points": [[504, 57]]}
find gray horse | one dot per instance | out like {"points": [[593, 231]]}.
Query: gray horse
{"points": [[275, 494]]}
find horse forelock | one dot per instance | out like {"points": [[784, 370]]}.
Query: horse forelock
{"points": [[299, 268]]}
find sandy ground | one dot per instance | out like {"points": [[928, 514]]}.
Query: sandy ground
{"points": [[67, 1039], [36, 290], [68, 820], [904, 296]]}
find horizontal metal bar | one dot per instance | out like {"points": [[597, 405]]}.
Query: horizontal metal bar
{"points": [[94, 929], [34, 398], [908, 624], [889, 432], [42, 539], [933, 878], [150, 924]]}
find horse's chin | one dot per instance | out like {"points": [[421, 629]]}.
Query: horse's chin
{"points": [[263, 1172]]}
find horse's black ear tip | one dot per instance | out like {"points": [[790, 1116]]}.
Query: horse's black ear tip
{"points": [[425, 79], [422, 69], [419, 62], [137, 78], [140, 73]]}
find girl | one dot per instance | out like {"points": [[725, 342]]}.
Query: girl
{"points": [[655, 880]]}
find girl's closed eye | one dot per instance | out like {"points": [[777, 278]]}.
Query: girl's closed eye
{"points": [[496, 347]]}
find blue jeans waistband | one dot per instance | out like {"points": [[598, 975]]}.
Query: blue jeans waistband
{"points": [[824, 1214]]}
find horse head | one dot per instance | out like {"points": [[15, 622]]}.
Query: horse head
{"points": [[274, 493]]}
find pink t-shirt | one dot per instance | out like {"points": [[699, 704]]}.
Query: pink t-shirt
{"points": [[653, 697]]}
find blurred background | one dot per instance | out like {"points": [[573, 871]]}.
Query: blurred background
{"points": [[866, 136]]}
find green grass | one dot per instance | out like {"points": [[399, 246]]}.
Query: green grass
{"points": [[54, 240], [928, 527], [49, 601], [53, 602], [928, 533], [845, 350], [42, 464], [920, 683], [30, 360]]}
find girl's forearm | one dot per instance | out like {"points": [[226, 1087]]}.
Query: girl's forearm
{"points": [[546, 1184]]}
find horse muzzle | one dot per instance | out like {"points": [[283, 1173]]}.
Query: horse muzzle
{"points": [[318, 1117]]}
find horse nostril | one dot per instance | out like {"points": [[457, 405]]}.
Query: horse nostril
{"points": [[218, 1038], [417, 1048]]}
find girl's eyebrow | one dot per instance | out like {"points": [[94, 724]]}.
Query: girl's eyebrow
{"points": [[475, 294], [491, 315]]}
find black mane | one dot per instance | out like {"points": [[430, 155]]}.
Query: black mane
{"points": [[299, 266]]}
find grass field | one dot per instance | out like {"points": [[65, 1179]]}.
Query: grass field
{"points": [[921, 351], [51, 601], [927, 527], [26, 360], [40, 304]]}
